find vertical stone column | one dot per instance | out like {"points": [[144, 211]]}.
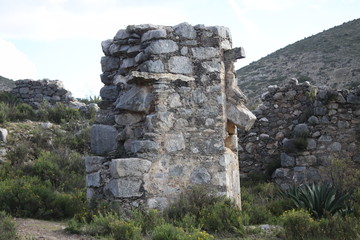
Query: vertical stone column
{"points": [[169, 115]]}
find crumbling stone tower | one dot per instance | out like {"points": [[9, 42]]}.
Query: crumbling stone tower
{"points": [[169, 111]]}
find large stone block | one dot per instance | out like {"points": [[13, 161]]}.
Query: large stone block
{"points": [[124, 188], [137, 99], [103, 139], [162, 46], [205, 52], [109, 64], [129, 167], [109, 93], [3, 135], [240, 116], [135, 146], [129, 118], [185, 30], [93, 179], [153, 34], [178, 64], [93, 163]]}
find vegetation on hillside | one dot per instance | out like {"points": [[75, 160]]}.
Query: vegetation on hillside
{"points": [[330, 58]]}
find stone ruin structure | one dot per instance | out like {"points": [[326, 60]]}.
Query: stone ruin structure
{"points": [[301, 128], [168, 117], [35, 92]]}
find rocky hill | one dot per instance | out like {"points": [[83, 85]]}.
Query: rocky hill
{"points": [[330, 58], [6, 84]]}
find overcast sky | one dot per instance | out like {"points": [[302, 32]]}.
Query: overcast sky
{"points": [[60, 39]]}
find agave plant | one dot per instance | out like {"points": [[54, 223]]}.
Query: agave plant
{"points": [[320, 200]]}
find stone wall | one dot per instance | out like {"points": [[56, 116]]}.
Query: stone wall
{"points": [[168, 117], [302, 128], [35, 92]]}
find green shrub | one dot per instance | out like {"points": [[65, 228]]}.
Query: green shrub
{"points": [[258, 214], [344, 174], [170, 232], [64, 169], [21, 112], [147, 219], [339, 228], [100, 224], [298, 224], [319, 200], [222, 216], [30, 197], [7, 227], [191, 201], [61, 113], [125, 230], [4, 112]]}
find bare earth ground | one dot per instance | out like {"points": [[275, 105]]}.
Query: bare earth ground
{"points": [[33, 229]]}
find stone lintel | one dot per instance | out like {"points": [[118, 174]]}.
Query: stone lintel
{"points": [[138, 77], [234, 54]]}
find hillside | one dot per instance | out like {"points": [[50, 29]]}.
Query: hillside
{"points": [[330, 58], [6, 84]]}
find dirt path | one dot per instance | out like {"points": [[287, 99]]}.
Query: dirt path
{"points": [[32, 229]]}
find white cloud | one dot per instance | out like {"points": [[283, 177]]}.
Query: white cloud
{"points": [[268, 5], [95, 19], [14, 64]]}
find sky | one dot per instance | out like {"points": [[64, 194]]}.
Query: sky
{"points": [[61, 39]]}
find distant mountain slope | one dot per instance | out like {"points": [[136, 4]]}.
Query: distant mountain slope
{"points": [[330, 58], [6, 84]]}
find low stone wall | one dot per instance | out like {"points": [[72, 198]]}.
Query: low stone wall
{"points": [[35, 92], [168, 116], [302, 128]]}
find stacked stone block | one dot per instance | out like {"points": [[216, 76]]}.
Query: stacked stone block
{"points": [[168, 117], [303, 128], [35, 92]]}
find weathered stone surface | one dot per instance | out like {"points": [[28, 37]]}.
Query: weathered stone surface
{"points": [[162, 46], [136, 99], [109, 93], [127, 63], [234, 54], [205, 52], [93, 163], [174, 142], [200, 176], [286, 160], [124, 188], [109, 64], [176, 171], [136, 76], [351, 98], [156, 66], [105, 46], [128, 118], [240, 116], [103, 139], [153, 34], [135, 146], [3, 135], [301, 130], [129, 167], [93, 179], [181, 65], [185, 30], [121, 34]]}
